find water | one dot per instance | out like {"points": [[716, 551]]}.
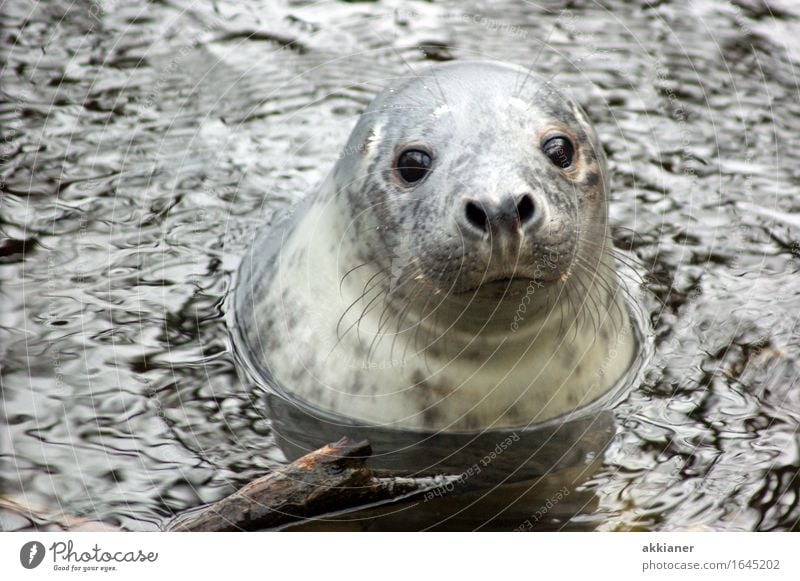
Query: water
{"points": [[143, 146]]}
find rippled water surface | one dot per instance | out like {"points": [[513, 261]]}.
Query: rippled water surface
{"points": [[144, 144]]}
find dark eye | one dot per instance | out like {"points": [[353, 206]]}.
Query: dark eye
{"points": [[413, 165], [560, 151]]}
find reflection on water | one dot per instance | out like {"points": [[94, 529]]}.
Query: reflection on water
{"points": [[143, 145]]}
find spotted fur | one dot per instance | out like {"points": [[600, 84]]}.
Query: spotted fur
{"points": [[373, 302]]}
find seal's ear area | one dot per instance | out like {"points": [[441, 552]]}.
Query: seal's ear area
{"points": [[583, 120]]}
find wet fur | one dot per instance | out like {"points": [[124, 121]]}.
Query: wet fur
{"points": [[373, 304]]}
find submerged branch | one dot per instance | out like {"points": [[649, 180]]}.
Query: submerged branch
{"points": [[331, 479]]}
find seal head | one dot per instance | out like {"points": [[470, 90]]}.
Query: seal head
{"points": [[454, 270]]}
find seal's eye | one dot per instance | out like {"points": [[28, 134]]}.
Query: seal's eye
{"points": [[413, 165], [560, 151]]}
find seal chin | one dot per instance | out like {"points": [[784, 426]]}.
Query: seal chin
{"points": [[506, 274], [507, 286], [513, 278], [504, 287]]}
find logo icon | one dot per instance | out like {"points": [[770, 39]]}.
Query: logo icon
{"points": [[31, 554]]}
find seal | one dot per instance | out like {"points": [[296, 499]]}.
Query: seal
{"points": [[454, 271]]}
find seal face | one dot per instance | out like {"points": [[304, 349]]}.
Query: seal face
{"points": [[454, 270]]}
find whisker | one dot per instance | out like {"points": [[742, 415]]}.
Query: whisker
{"points": [[348, 273], [588, 295], [611, 292], [402, 317], [369, 306], [362, 297], [383, 319]]}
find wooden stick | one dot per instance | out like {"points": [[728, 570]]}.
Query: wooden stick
{"points": [[44, 518], [330, 479]]}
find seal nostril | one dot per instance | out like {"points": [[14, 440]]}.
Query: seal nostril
{"points": [[477, 217], [525, 209]]}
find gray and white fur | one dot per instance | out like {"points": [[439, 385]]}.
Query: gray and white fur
{"points": [[483, 296]]}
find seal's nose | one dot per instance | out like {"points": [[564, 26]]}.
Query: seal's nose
{"points": [[514, 214]]}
